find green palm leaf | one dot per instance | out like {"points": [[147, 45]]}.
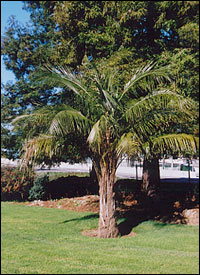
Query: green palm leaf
{"points": [[175, 143], [61, 77], [69, 120], [160, 100], [98, 134], [43, 145], [142, 74], [129, 145]]}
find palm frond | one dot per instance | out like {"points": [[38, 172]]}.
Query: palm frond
{"points": [[106, 89], [61, 77], [69, 120], [98, 134], [110, 101], [155, 122], [43, 145], [34, 122], [21, 118], [175, 143], [160, 100], [40, 115], [54, 118], [144, 72], [129, 145]]}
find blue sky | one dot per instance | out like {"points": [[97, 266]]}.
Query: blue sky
{"points": [[9, 8]]}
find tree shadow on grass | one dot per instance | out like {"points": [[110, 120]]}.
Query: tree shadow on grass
{"points": [[132, 219], [175, 196], [167, 210], [161, 214], [87, 217]]}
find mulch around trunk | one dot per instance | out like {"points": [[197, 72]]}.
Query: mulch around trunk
{"points": [[94, 233]]}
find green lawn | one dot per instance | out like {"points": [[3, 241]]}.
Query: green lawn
{"points": [[49, 241], [55, 175]]}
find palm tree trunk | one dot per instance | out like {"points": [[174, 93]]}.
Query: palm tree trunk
{"points": [[107, 214], [151, 177]]}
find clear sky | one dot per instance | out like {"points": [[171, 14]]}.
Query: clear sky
{"points": [[9, 8]]}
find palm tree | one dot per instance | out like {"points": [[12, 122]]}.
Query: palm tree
{"points": [[114, 120], [154, 150]]}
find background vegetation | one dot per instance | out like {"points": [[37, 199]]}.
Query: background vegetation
{"points": [[125, 33], [16, 184]]}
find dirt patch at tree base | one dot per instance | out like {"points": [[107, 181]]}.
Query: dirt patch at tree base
{"points": [[94, 233], [90, 233]]}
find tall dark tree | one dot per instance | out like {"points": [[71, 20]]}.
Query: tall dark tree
{"points": [[128, 33]]}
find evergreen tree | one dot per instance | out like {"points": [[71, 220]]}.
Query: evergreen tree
{"points": [[124, 33]]}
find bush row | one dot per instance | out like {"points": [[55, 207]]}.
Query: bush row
{"points": [[63, 187], [15, 184], [21, 186], [25, 185]]}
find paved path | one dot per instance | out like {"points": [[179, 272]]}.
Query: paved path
{"points": [[122, 172], [127, 172]]}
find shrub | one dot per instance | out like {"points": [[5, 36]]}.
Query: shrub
{"points": [[71, 186], [39, 189], [68, 187], [15, 183]]}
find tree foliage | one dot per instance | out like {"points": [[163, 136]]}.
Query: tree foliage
{"points": [[123, 34], [111, 120]]}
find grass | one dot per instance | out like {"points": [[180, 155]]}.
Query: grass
{"points": [[49, 241], [55, 175]]}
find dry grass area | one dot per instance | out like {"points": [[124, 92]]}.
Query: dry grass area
{"points": [[89, 203]]}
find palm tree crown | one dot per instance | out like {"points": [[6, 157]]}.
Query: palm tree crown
{"points": [[110, 116]]}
